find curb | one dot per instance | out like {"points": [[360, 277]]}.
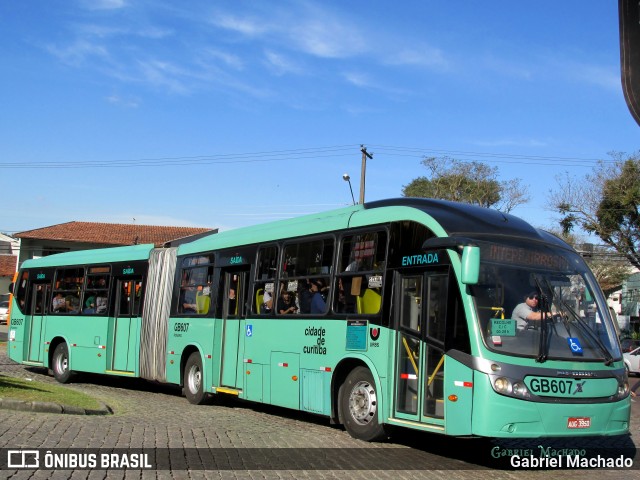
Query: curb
{"points": [[50, 407]]}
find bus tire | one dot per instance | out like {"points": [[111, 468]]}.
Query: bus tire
{"points": [[193, 380], [60, 363], [359, 406]]}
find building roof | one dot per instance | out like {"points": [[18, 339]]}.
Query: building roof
{"points": [[111, 233], [8, 265]]}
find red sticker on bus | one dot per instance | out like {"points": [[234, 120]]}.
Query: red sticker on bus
{"points": [[579, 422]]}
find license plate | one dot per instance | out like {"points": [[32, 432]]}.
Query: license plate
{"points": [[579, 422]]}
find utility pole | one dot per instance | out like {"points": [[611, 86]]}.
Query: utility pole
{"points": [[365, 155]]}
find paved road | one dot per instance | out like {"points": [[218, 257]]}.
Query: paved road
{"points": [[250, 441]]}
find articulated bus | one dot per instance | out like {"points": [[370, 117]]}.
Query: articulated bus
{"points": [[391, 313]]}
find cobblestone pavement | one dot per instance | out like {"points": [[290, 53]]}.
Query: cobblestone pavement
{"points": [[150, 416]]}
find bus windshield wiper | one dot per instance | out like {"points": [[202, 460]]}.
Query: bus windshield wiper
{"points": [[608, 358], [543, 348]]}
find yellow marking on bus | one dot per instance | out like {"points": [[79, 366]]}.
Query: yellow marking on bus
{"points": [[410, 355], [26, 362], [415, 424], [436, 370], [230, 391], [119, 372]]}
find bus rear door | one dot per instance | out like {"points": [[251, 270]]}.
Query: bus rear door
{"points": [[234, 294], [419, 366], [35, 320], [126, 324]]}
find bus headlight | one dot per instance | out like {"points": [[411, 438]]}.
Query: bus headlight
{"points": [[520, 389], [623, 389], [502, 385]]}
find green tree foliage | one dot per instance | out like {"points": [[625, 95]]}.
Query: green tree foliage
{"points": [[605, 203], [467, 182]]}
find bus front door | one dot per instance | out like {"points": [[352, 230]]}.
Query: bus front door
{"points": [[126, 322], [40, 292], [420, 318], [233, 296]]}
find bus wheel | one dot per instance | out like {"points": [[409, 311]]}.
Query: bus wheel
{"points": [[60, 361], [359, 405], [193, 381]]}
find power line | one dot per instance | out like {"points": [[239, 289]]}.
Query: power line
{"points": [[310, 154], [231, 158]]}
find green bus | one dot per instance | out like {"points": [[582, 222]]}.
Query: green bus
{"points": [[392, 313]]}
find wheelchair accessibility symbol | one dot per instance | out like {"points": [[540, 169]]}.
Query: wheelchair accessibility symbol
{"points": [[249, 331], [574, 345]]}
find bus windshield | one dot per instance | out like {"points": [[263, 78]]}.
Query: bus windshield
{"points": [[539, 301]]}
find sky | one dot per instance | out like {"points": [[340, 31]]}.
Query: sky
{"points": [[223, 114]]}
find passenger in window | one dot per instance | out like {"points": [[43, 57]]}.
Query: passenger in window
{"points": [[72, 304], [267, 303], [286, 303], [305, 296], [188, 300], [318, 301], [58, 304], [232, 295], [101, 304], [90, 306]]}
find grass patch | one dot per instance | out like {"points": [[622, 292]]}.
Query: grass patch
{"points": [[30, 391]]}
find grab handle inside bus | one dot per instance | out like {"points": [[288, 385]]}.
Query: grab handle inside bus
{"points": [[470, 265]]}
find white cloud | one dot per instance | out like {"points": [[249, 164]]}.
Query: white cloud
{"points": [[164, 74], [358, 79], [78, 52], [280, 64], [327, 38], [426, 56], [244, 26], [362, 80], [127, 102], [227, 58], [103, 4], [601, 76], [311, 30]]}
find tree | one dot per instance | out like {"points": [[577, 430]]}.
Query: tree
{"points": [[605, 203], [467, 182]]}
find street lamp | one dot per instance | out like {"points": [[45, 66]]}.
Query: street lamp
{"points": [[347, 178]]}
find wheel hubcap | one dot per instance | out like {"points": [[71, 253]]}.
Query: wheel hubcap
{"points": [[363, 403], [62, 363], [195, 379]]}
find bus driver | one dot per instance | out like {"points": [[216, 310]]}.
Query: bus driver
{"points": [[527, 311]]}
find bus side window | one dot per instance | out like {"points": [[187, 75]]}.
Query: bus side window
{"points": [[361, 265], [196, 278], [96, 296], [263, 291], [306, 270], [68, 285], [20, 290]]}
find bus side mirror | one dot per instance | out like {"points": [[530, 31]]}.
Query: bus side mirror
{"points": [[11, 287], [470, 265]]}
